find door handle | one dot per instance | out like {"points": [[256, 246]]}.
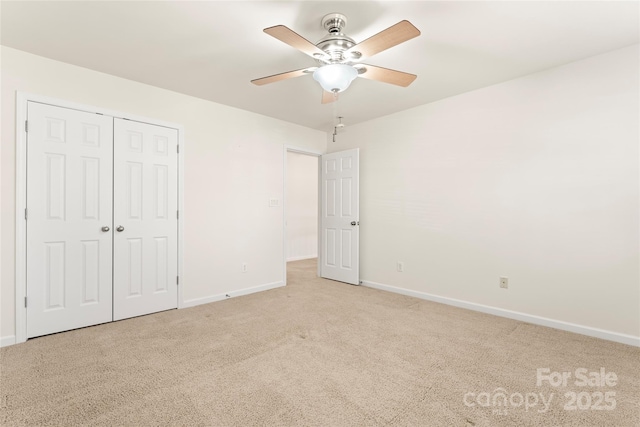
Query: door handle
{"points": [[105, 229], [353, 223], [120, 228]]}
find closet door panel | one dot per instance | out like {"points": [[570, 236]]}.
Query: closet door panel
{"points": [[69, 206], [145, 218]]}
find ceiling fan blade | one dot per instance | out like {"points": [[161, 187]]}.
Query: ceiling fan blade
{"points": [[329, 97], [282, 76], [387, 75], [392, 36], [295, 40]]}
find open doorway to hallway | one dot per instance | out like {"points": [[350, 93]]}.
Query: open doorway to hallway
{"points": [[301, 214]]}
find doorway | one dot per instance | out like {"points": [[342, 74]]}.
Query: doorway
{"points": [[301, 205], [334, 197]]}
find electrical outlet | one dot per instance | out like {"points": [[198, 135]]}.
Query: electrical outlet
{"points": [[504, 282], [400, 266], [244, 267]]}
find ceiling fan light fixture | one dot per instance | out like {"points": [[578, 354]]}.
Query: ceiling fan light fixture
{"points": [[335, 77]]}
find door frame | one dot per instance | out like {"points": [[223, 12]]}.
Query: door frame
{"points": [[308, 152], [22, 98]]}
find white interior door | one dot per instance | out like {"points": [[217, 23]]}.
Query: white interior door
{"points": [[145, 210], [340, 231], [69, 237]]}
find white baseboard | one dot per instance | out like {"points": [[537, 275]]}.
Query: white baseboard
{"points": [[231, 294], [300, 258], [7, 341], [529, 318]]}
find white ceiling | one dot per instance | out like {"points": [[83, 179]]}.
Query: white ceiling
{"points": [[212, 49]]}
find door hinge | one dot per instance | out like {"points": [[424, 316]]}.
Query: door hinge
{"points": [[26, 126], [177, 280], [25, 214], [178, 149], [177, 214], [25, 302]]}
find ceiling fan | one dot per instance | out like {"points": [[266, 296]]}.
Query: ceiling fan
{"points": [[338, 55]]}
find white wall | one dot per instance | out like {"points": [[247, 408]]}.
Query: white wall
{"points": [[536, 179], [233, 166], [302, 206]]}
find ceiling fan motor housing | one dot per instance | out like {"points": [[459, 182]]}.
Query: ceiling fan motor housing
{"points": [[335, 43]]}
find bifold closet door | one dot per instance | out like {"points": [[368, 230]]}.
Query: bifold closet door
{"points": [[145, 254], [69, 236]]}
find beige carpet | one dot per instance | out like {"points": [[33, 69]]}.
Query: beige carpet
{"points": [[315, 353]]}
